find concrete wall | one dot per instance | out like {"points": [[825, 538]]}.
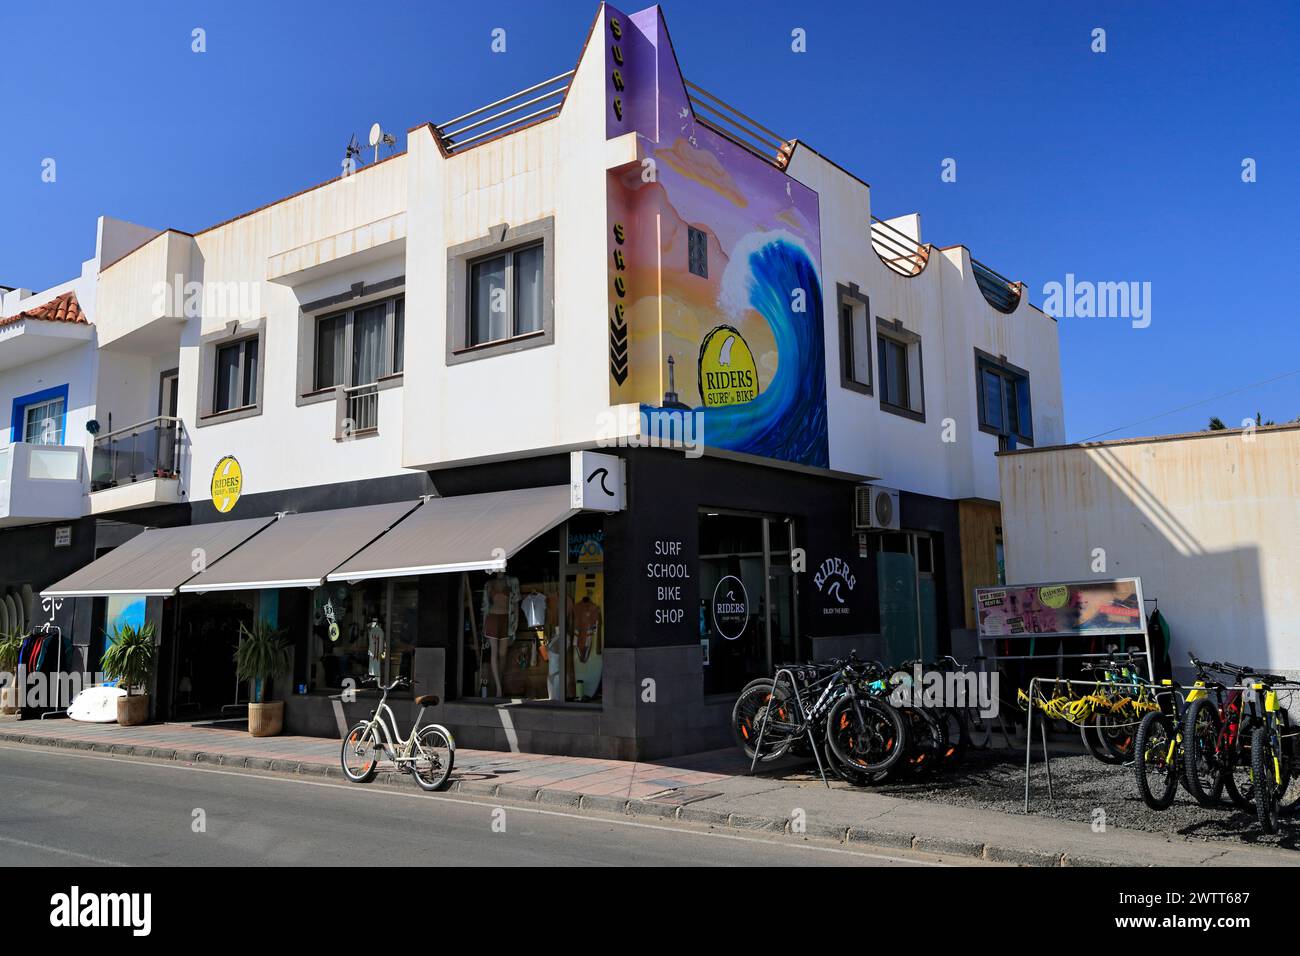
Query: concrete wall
{"points": [[1210, 522]]}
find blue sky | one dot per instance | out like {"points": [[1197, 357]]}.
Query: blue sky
{"points": [[1115, 166]]}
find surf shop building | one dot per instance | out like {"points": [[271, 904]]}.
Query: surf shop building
{"points": [[587, 408]]}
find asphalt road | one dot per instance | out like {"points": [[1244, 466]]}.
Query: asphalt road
{"points": [[62, 808]]}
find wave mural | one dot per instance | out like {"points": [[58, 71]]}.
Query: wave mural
{"points": [[787, 419]]}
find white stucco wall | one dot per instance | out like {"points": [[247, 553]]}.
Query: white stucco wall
{"points": [[1209, 522]]}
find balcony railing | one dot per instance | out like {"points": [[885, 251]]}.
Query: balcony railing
{"points": [[999, 291], [739, 128], [358, 411], [897, 250], [148, 450], [508, 115]]}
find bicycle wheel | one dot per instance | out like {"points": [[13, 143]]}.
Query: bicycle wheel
{"points": [[1090, 731], [957, 734], [1116, 734], [1156, 760], [360, 754], [761, 709], [869, 739], [1262, 766], [434, 752], [926, 739], [1203, 768]]}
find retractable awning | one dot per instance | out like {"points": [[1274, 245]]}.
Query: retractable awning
{"points": [[463, 533], [300, 549], [158, 561]]}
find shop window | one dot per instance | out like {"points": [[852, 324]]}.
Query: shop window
{"points": [[41, 418], [536, 631], [907, 594], [747, 620], [898, 363], [367, 630], [500, 292], [697, 252], [855, 340], [360, 346], [1003, 399]]}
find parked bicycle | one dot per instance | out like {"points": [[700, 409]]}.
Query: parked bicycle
{"points": [[1158, 761], [428, 753]]}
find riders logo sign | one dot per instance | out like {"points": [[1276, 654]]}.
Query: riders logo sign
{"points": [[835, 581], [730, 607]]}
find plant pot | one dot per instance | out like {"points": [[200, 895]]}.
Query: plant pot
{"points": [[8, 699], [133, 711], [266, 720]]}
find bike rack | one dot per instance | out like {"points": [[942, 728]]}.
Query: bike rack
{"points": [[762, 727]]}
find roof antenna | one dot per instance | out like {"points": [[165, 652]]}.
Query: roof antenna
{"points": [[351, 155], [378, 136]]}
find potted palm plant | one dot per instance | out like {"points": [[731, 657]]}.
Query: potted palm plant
{"points": [[262, 656], [130, 660], [11, 642]]}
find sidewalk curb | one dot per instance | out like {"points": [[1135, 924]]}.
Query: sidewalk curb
{"points": [[938, 844]]}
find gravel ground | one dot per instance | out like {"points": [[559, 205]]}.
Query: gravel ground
{"points": [[995, 780]]}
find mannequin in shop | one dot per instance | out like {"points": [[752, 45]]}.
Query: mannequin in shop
{"points": [[555, 648], [377, 649], [500, 609], [586, 632], [533, 607]]}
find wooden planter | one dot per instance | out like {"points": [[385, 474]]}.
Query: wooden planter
{"points": [[133, 711], [266, 720]]}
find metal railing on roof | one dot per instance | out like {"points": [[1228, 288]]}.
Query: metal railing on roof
{"points": [[896, 249], [736, 126], [998, 290], [507, 115]]}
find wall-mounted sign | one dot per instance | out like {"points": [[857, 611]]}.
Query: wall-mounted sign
{"points": [[227, 484], [835, 581], [727, 371], [596, 481], [668, 572], [63, 536], [730, 607]]}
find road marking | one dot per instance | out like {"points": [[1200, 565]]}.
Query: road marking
{"points": [[468, 801], [59, 850]]}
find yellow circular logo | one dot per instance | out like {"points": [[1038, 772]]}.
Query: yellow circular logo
{"points": [[227, 483], [728, 374], [1054, 596]]}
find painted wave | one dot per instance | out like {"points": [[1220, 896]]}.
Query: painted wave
{"points": [[788, 418]]}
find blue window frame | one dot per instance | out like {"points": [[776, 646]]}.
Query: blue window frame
{"points": [[40, 418]]}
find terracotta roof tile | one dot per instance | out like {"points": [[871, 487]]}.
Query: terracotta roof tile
{"points": [[64, 308]]}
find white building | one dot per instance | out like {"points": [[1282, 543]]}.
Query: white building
{"points": [[575, 268]]}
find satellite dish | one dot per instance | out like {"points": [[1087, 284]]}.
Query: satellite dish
{"points": [[376, 135]]}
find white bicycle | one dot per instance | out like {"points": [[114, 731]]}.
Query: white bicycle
{"points": [[428, 753]]}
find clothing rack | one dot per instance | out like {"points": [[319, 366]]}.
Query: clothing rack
{"points": [[55, 683]]}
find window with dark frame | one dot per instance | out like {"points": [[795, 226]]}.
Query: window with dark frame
{"points": [[505, 295], [895, 389], [697, 243], [1004, 403], [855, 344], [236, 375], [361, 345]]}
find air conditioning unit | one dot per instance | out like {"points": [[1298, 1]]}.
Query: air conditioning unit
{"points": [[875, 508]]}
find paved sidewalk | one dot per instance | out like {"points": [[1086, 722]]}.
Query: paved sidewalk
{"points": [[711, 789]]}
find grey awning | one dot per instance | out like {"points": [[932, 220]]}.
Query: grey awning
{"points": [[464, 533], [158, 561], [300, 549]]}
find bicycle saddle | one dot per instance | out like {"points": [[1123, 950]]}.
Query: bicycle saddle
{"points": [[427, 700]]}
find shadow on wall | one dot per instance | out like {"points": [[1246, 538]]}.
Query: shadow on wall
{"points": [[1208, 527]]}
